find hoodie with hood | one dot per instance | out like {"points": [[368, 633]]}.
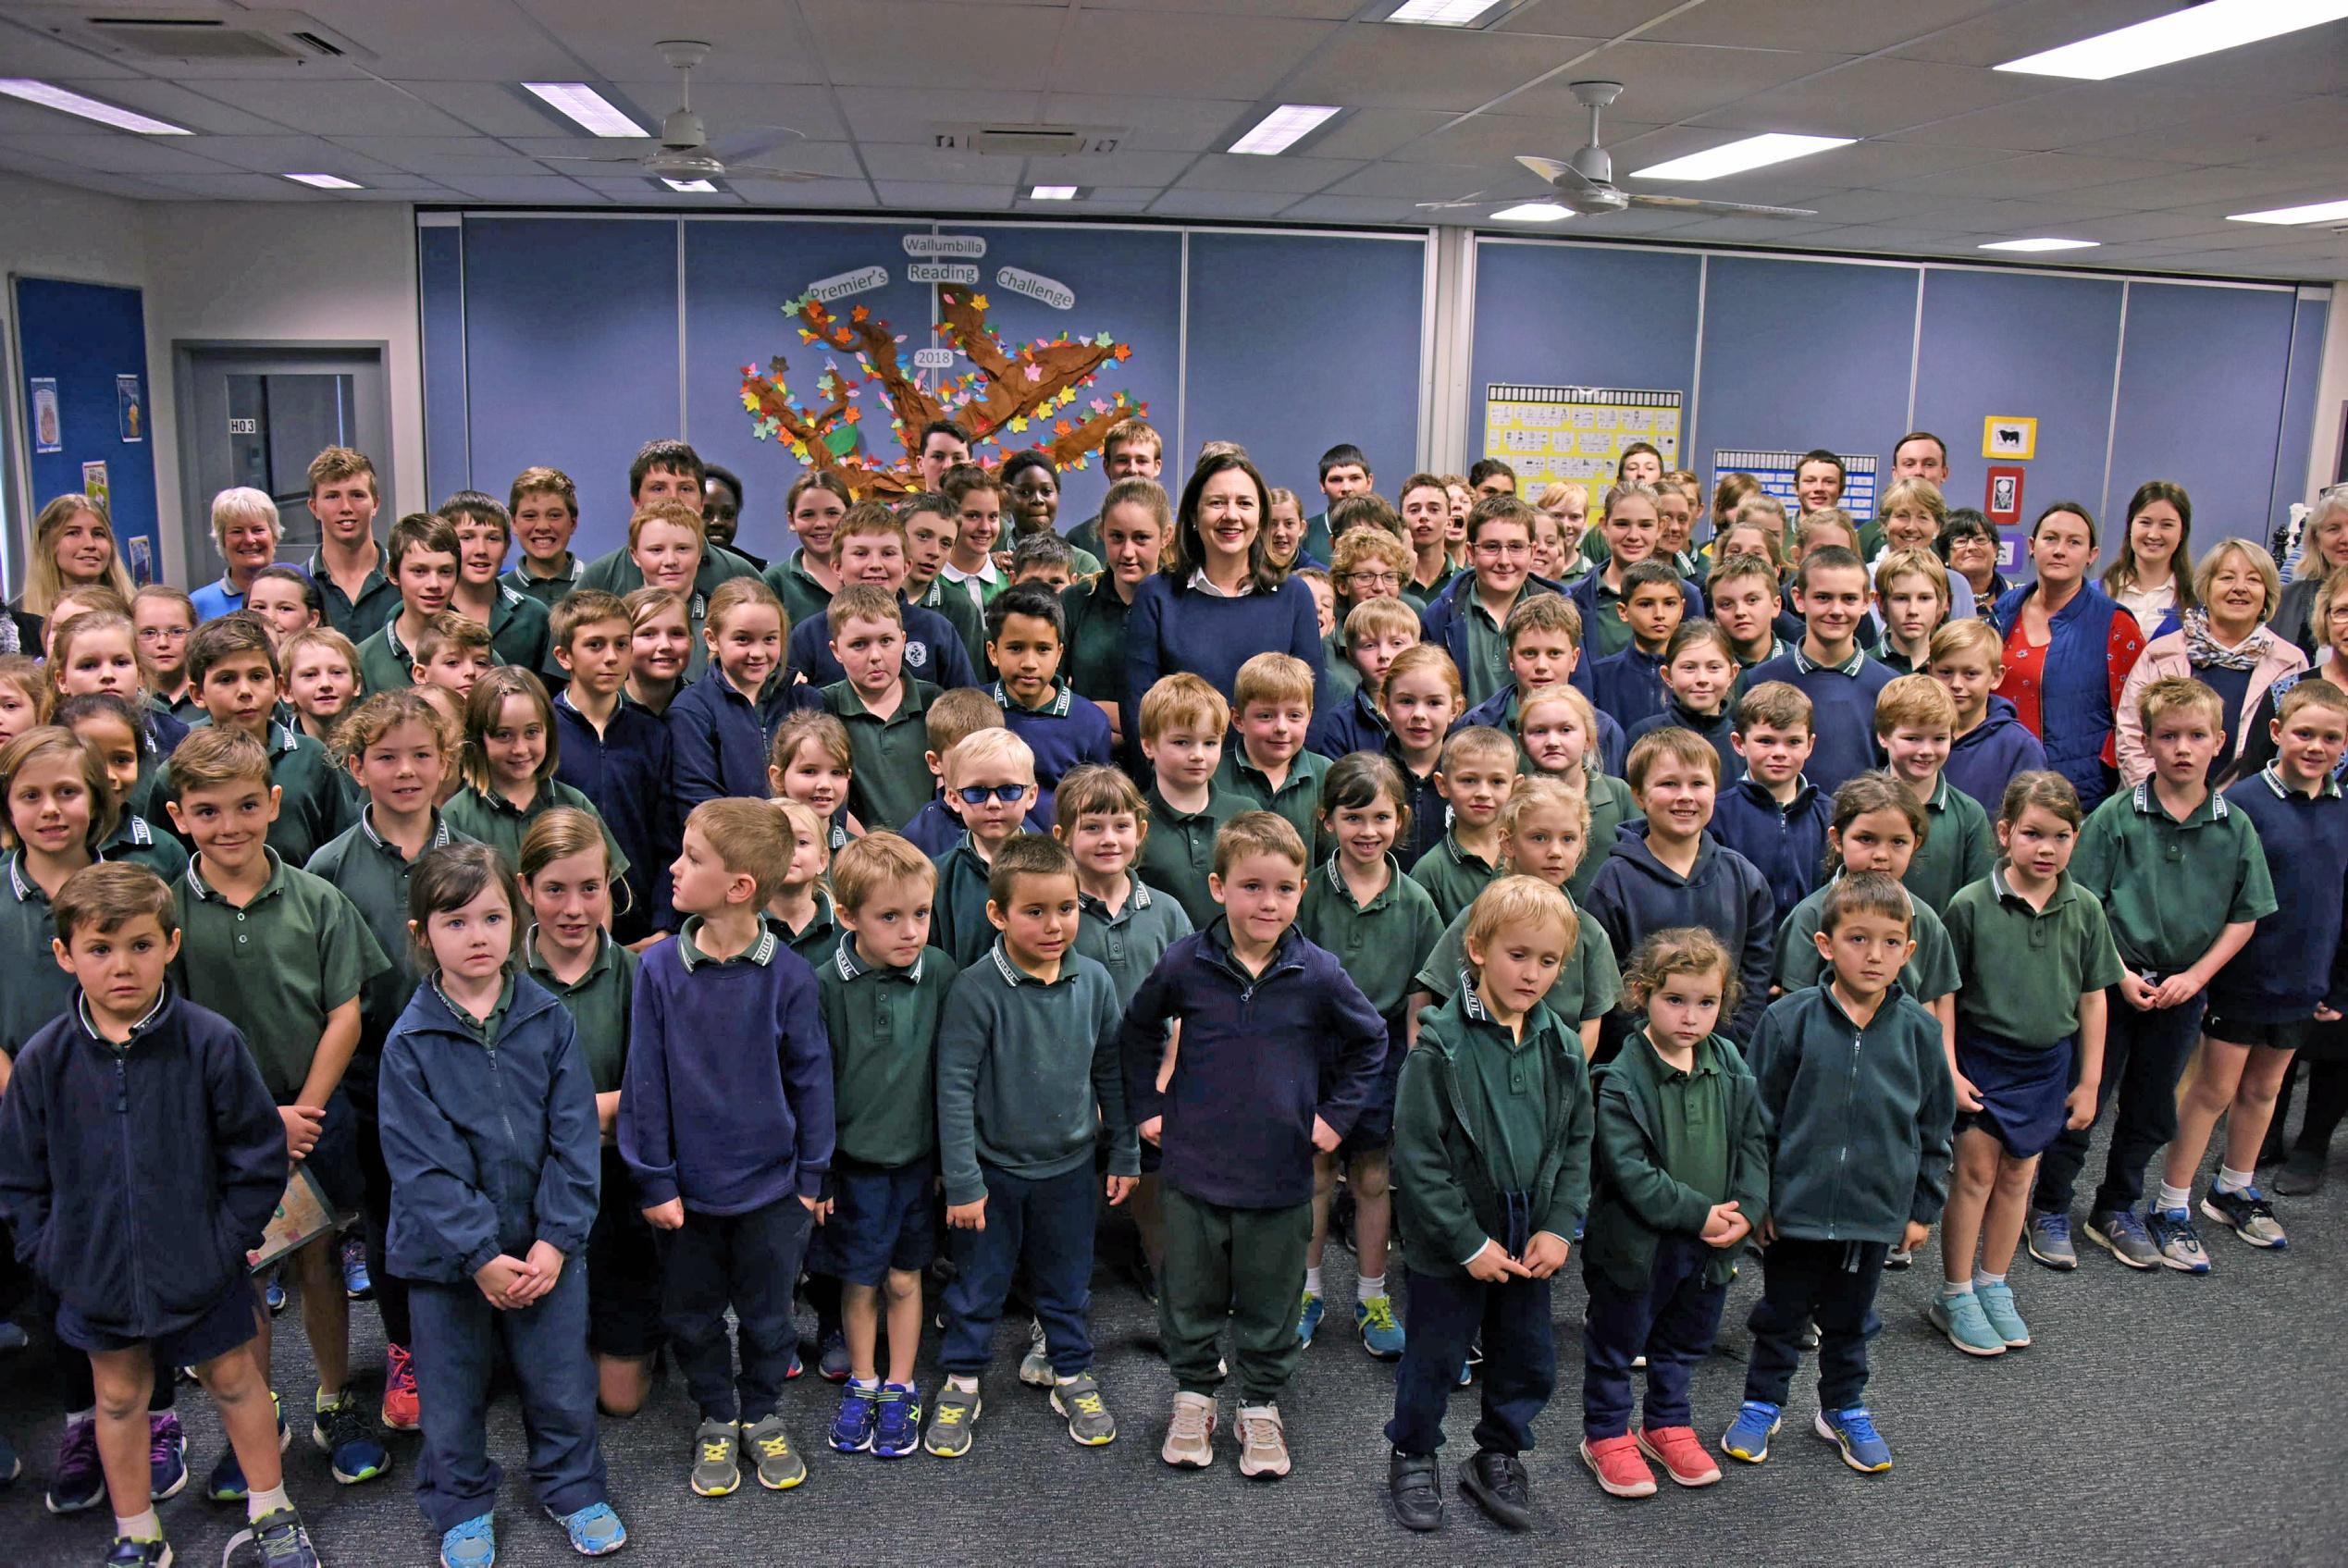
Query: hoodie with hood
{"points": [[1635, 896], [1984, 761]]}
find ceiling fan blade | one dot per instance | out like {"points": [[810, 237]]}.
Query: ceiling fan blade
{"points": [[763, 171], [583, 158], [751, 140], [1718, 209]]}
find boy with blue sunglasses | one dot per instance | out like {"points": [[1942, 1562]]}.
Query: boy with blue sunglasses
{"points": [[990, 778]]}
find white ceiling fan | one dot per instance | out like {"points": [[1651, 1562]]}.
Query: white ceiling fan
{"points": [[685, 152], [1584, 184]]}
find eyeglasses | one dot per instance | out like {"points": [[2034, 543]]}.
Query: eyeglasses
{"points": [[1509, 550], [979, 795], [1377, 579], [163, 633]]}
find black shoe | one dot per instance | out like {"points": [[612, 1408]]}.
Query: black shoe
{"points": [[2302, 1174], [1418, 1485], [1495, 1483]]}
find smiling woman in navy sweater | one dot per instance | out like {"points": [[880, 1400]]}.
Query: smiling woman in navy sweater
{"points": [[1219, 601]]}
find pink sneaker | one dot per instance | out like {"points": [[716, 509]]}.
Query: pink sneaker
{"points": [[1619, 1469], [401, 1409], [1681, 1454]]}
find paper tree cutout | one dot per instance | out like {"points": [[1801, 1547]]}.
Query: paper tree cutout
{"points": [[1018, 391]]}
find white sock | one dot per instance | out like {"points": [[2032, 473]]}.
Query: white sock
{"points": [[867, 1384], [1951, 1289], [2233, 1181], [259, 1505], [1313, 1281], [2171, 1198], [139, 1526], [89, 1414], [1064, 1380], [1369, 1288], [961, 1384], [1983, 1276]]}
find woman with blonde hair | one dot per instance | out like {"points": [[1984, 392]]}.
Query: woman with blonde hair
{"points": [[247, 529], [73, 547], [2225, 643]]}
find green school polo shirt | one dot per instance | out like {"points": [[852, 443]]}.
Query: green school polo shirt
{"points": [[1343, 677], [1130, 943], [2169, 888], [484, 1029], [883, 1024], [1691, 1129], [277, 966], [1095, 660], [490, 818], [37, 989], [1178, 853], [311, 807], [136, 843], [1611, 805], [1513, 1076], [547, 591], [1957, 849], [957, 911], [1453, 876], [384, 663], [953, 602], [803, 598], [815, 940], [370, 872], [1298, 798], [1589, 984], [519, 631], [600, 1004], [1381, 943], [1929, 974], [2026, 968], [890, 782], [1610, 633], [1486, 668], [357, 619]]}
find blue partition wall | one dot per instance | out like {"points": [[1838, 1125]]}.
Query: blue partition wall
{"points": [[82, 335], [2202, 384]]}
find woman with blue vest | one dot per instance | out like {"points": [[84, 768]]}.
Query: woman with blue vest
{"points": [[2069, 649], [1219, 601]]}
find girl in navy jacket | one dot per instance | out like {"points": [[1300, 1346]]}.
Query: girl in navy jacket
{"points": [[721, 725]]}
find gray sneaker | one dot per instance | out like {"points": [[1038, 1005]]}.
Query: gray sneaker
{"points": [[2246, 1214], [2180, 1245], [1089, 1421], [951, 1418], [1190, 1436], [1263, 1443], [1035, 1366], [716, 1449], [2124, 1236], [779, 1466], [2050, 1244]]}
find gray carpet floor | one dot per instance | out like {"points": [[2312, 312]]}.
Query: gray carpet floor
{"points": [[2157, 1419]]}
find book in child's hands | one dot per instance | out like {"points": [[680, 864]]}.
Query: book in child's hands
{"points": [[303, 1215]]}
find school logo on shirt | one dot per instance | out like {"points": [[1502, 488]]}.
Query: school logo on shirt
{"points": [[917, 655]]}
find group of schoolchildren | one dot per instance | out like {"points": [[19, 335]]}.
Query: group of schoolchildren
{"points": [[849, 927]]}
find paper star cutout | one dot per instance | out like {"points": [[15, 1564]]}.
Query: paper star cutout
{"points": [[978, 301]]}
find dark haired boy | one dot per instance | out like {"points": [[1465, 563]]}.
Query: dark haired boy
{"points": [[666, 470], [1628, 686], [1830, 668], [426, 559], [1342, 471], [616, 754], [1026, 636], [233, 673], [1466, 618], [348, 565]]}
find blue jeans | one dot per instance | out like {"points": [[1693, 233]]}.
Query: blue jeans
{"points": [[1833, 1284], [1443, 1313], [457, 1337], [749, 1262], [1045, 1226], [1672, 1323], [2144, 1054]]}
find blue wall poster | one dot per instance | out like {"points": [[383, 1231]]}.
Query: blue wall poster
{"points": [[133, 406]]}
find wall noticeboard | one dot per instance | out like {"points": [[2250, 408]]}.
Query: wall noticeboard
{"points": [[1775, 470], [1576, 433]]}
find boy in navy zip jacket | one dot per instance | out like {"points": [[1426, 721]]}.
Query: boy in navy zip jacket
{"points": [[720, 726], [730, 1146], [133, 1081], [1238, 1120], [1774, 816], [490, 1134]]}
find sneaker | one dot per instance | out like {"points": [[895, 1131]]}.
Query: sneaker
{"points": [[341, 1431], [1681, 1454], [595, 1530], [272, 1293], [2246, 1213], [792, 1372], [1262, 1443], [1808, 1337], [1035, 1366], [1308, 1319], [1616, 1463], [79, 1482], [1078, 1401], [1899, 1258], [860, 1414], [2049, 1238], [402, 1411], [357, 1283], [1853, 1431], [1496, 1482], [1961, 1318], [12, 1337], [227, 1483], [128, 1553], [831, 1358], [1748, 1437], [957, 1412], [166, 1455], [2004, 1319], [473, 1544], [778, 1464], [1381, 1336], [2120, 1232], [2180, 1244], [717, 1468], [1190, 1436], [896, 1430], [1416, 1482], [281, 1541], [2301, 1176]]}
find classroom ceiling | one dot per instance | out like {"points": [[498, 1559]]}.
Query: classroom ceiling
{"points": [[424, 106]]}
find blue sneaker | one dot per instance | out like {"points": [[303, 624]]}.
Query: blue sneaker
{"points": [[595, 1530], [2049, 1238], [343, 1432], [282, 1542], [2247, 1215], [2180, 1244], [795, 1368], [2005, 1318], [272, 1293], [78, 1482], [2122, 1233], [357, 1283], [166, 1455], [473, 1544], [1748, 1438], [898, 1430], [1381, 1336], [128, 1553], [1308, 1319], [831, 1358], [860, 1413], [227, 1483], [1853, 1431], [1967, 1326]]}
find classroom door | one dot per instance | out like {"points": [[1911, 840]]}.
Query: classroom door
{"points": [[257, 417]]}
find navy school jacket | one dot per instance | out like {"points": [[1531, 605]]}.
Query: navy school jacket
{"points": [[718, 738], [1786, 844], [1498, 711], [1635, 895], [933, 651]]}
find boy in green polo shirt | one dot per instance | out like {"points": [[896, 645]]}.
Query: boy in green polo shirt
{"points": [[882, 707], [423, 555], [455, 651], [1916, 723], [883, 993], [1269, 767], [991, 776], [1184, 722], [1477, 773], [234, 674], [286, 958], [2183, 881]]}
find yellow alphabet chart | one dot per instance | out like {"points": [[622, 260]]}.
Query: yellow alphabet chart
{"points": [[1576, 432]]}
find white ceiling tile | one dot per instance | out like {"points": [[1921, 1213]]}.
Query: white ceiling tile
{"points": [[1859, 27], [2236, 189], [1365, 209], [521, 188], [122, 153], [1499, 137], [833, 160], [2003, 217], [2004, 31], [30, 50], [804, 194], [2037, 174], [1153, 170], [446, 40], [2130, 228], [893, 115], [1237, 171], [1406, 68], [211, 106], [1581, 19], [1871, 97], [1434, 182], [938, 193], [2068, 114], [357, 108], [1175, 54], [1324, 10], [289, 155], [612, 39], [726, 107], [894, 161], [2277, 127], [915, 43], [1381, 133], [1180, 125], [244, 188], [1668, 81], [493, 108]]}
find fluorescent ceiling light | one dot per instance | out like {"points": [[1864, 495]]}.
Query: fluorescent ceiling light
{"points": [[1052, 194], [2180, 35], [326, 181], [1284, 128], [584, 107], [1442, 13], [1754, 152], [51, 96], [688, 186], [2047, 242], [1534, 212], [2315, 212]]}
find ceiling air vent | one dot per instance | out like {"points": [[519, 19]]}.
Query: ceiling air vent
{"points": [[198, 35], [1028, 141]]}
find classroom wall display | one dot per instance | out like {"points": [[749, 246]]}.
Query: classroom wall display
{"points": [[1576, 433], [2004, 435], [1775, 470], [82, 348]]}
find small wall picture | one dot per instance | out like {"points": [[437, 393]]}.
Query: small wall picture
{"points": [[133, 408], [141, 551], [48, 421], [2004, 435], [95, 485]]}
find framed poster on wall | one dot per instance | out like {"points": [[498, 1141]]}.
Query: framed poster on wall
{"points": [[1578, 433]]}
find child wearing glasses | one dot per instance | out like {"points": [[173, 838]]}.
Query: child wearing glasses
{"points": [[990, 784]]}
